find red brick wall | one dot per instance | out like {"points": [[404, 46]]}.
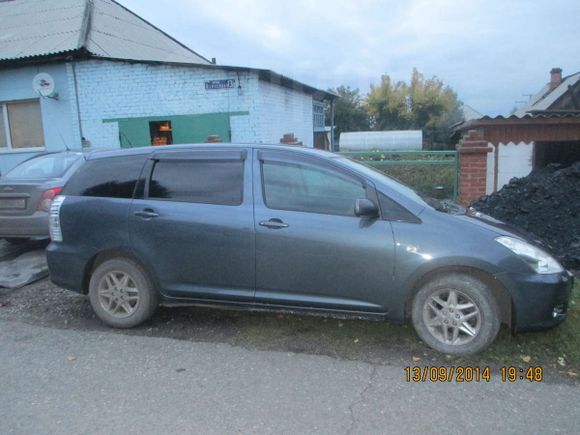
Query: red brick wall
{"points": [[473, 151]]}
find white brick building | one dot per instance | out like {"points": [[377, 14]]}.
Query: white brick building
{"points": [[122, 82]]}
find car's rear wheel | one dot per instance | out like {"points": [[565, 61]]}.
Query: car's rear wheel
{"points": [[122, 294], [456, 314]]}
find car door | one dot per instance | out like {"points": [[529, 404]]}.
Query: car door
{"points": [[193, 223], [311, 249]]}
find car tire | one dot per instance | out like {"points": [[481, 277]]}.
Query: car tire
{"points": [[122, 293], [465, 323]]}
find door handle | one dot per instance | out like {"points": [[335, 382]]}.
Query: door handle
{"points": [[274, 223], [146, 214]]}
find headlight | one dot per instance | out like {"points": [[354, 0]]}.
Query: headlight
{"points": [[539, 260]]}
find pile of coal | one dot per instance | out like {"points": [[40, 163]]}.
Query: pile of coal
{"points": [[546, 203]]}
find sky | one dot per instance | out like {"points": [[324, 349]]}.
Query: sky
{"points": [[493, 53]]}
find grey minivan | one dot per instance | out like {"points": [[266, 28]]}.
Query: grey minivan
{"points": [[289, 228]]}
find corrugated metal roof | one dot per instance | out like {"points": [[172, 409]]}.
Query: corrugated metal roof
{"points": [[535, 115], [32, 28], [570, 116], [545, 98]]}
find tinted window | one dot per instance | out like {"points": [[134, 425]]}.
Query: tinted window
{"points": [[48, 166], [300, 187], [392, 211], [201, 181], [113, 177]]}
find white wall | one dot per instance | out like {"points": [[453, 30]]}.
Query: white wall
{"points": [[16, 84], [282, 110], [121, 90], [514, 160]]}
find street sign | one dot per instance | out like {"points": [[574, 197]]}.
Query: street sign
{"points": [[220, 84]]}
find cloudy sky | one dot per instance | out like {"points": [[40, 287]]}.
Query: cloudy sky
{"points": [[491, 52]]}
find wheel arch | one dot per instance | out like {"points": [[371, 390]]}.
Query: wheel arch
{"points": [[108, 254], [499, 291]]}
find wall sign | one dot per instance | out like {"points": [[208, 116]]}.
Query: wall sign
{"points": [[220, 84]]}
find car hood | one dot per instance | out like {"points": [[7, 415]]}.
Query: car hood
{"points": [[503, 229]]}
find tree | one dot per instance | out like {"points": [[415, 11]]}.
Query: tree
{"points": [[349, 111], [426, 104]]}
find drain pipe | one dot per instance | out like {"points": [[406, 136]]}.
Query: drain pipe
{"points": [[77, 102]]}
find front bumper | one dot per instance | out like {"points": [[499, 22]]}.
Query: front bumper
{"points": [[34, 225], [539, 301]]}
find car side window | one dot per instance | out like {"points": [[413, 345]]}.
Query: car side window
{"points": [[302, 187], [392, 211], [111, 177], [218, 182]]}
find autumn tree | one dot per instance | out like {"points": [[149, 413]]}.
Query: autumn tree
{"points": [[426, 104]]}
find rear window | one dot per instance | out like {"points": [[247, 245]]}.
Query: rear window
{"points": [[47, 166], [199, 181], [113, 177]]}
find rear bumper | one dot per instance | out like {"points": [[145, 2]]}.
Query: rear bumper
{"points": [[67, 266], [539, 301], [35, 225]]}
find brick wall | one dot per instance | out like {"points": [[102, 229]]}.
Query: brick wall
{"points": [[473, 150], [109, 90]]}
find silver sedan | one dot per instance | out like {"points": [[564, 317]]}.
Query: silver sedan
{"points": [[27, 191]]}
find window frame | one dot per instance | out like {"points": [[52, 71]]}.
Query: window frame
{"points": [[6, 124], [205, 155], [316, 163]]}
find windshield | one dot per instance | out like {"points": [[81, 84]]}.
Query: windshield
{"points": [[47, 166]]}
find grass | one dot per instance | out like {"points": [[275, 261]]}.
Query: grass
{"points": [[424, 178], [419, 176]]}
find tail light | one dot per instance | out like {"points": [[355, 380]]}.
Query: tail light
{"points": [[54, 219], [47, 198]]}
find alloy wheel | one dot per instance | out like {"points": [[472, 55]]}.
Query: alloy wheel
{"points": [[118, 294], [452, 317]]}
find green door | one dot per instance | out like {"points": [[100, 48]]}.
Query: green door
{"points": [[137, 132]]}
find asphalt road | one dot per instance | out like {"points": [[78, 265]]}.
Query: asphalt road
{"points": [[56, 380]]}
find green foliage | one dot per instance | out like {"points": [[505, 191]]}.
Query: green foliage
{"points": [[421, 104], [349, 111]]}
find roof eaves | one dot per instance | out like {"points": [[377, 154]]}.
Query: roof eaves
{"points": [[281, 80], [78, 53], [540, 115], [263, 74]]}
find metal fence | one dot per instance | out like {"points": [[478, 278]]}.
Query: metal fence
{"points": [[429, 172]]}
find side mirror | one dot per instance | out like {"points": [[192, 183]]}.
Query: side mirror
{"points": [[366, 208]]}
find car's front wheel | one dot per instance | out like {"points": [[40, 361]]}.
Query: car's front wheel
{"points": [[122, 294], [456, 314]]}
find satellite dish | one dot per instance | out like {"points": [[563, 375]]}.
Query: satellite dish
{"points": [[43, 85]]}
